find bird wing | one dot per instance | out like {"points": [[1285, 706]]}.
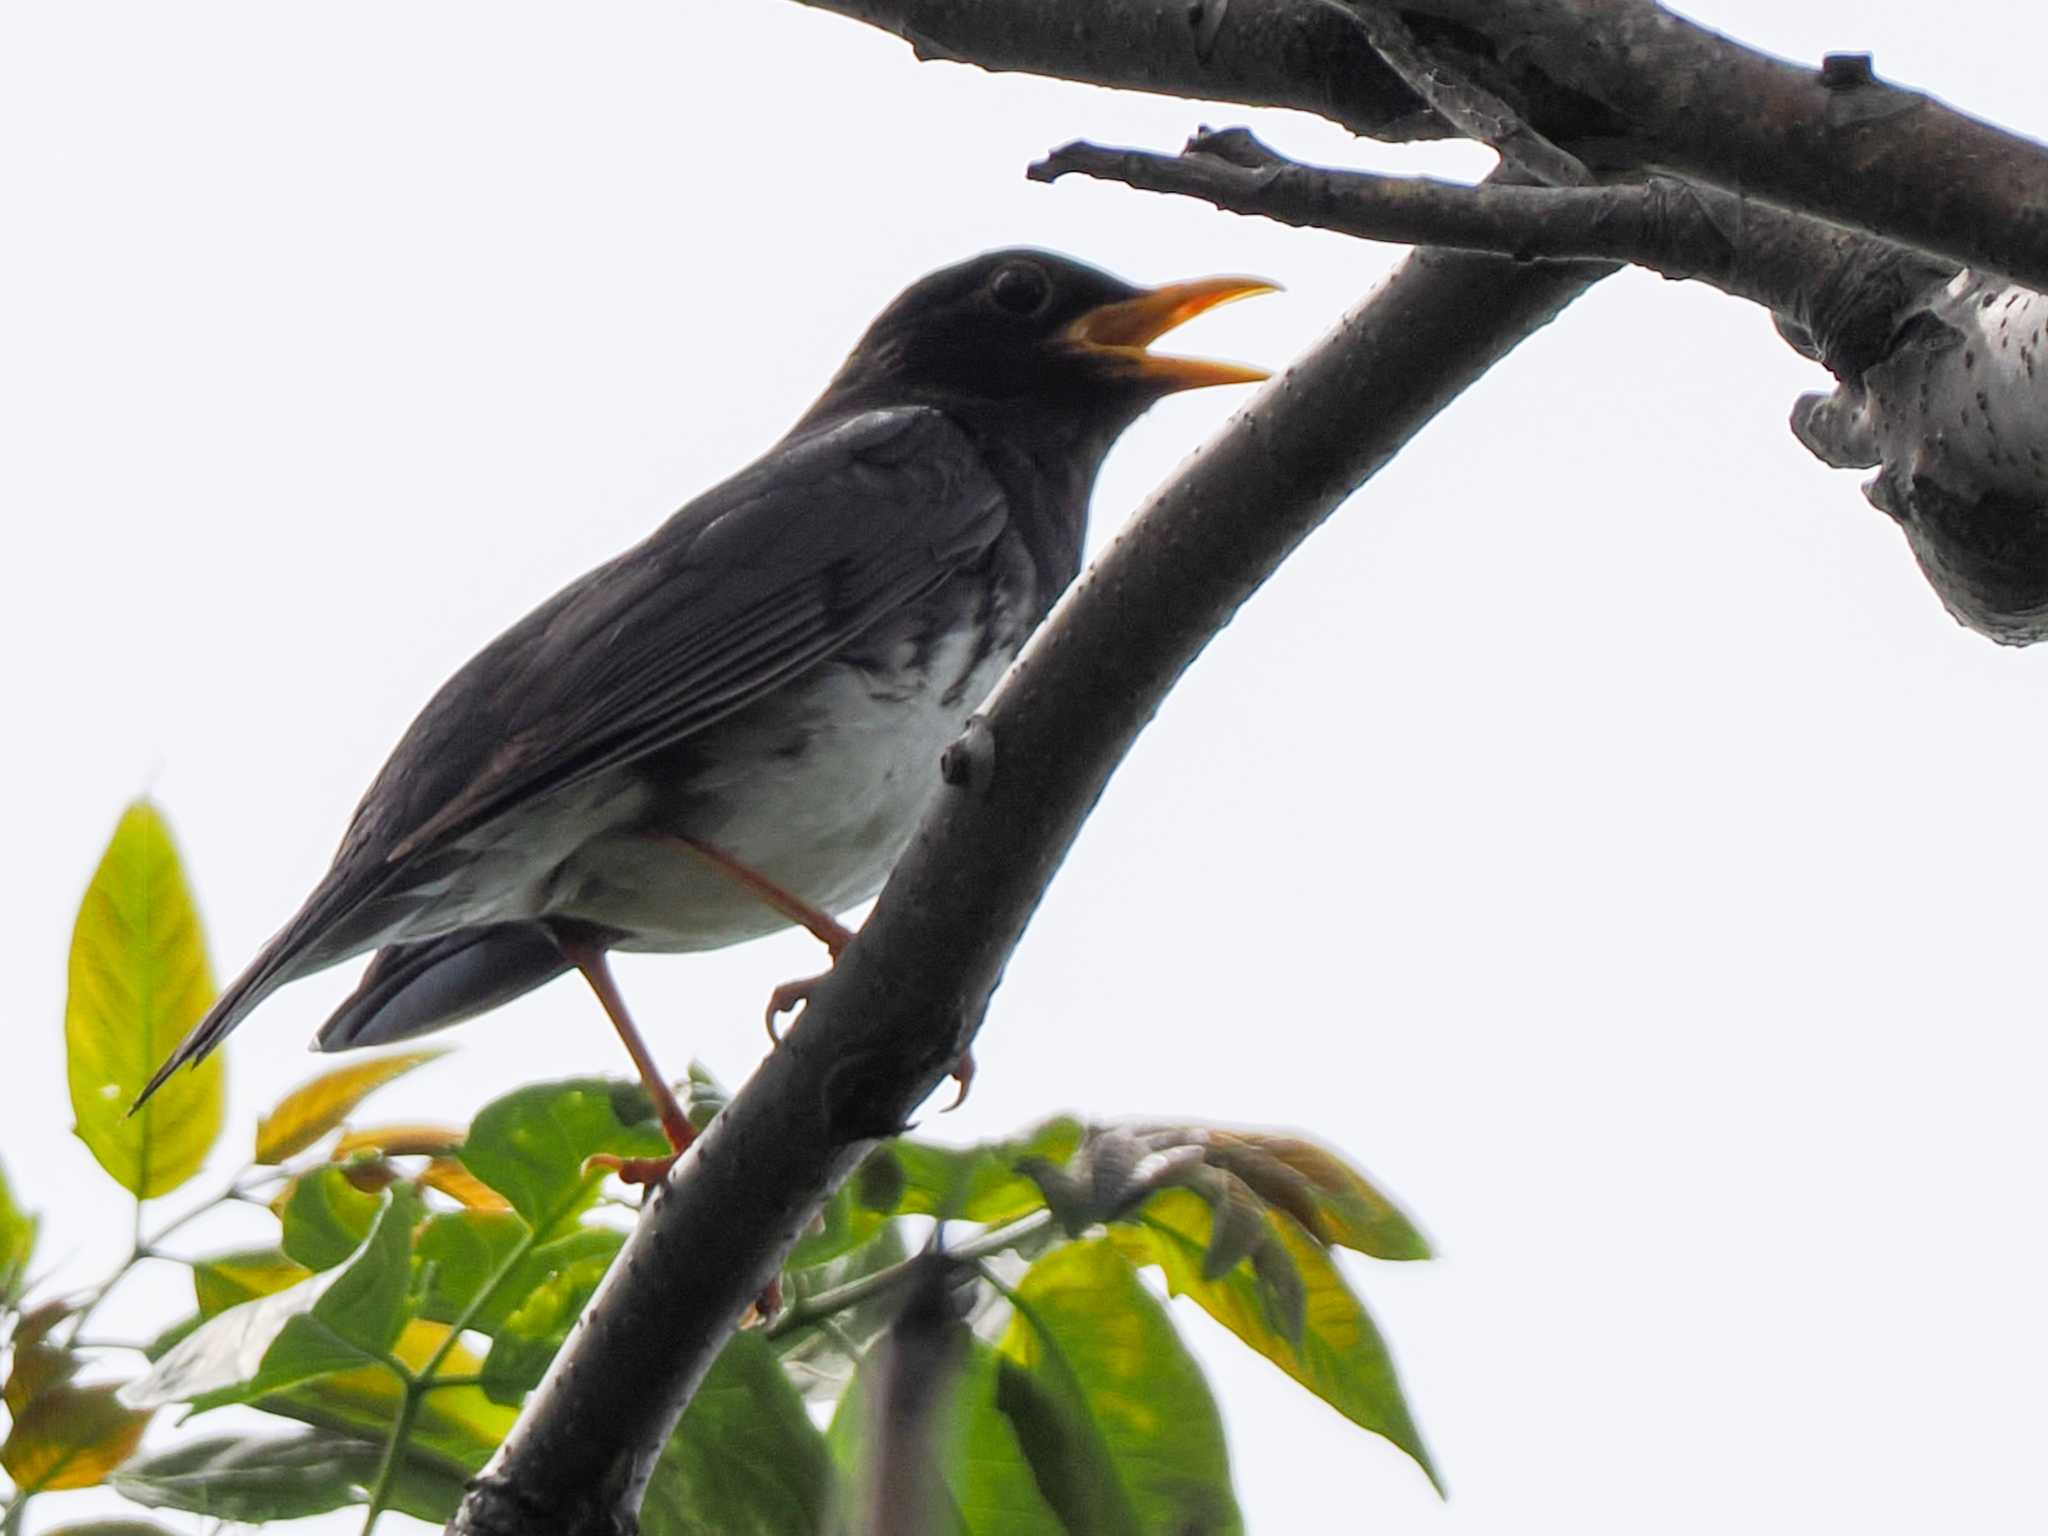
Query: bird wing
{"points": [[753, 583], [746, 587]]}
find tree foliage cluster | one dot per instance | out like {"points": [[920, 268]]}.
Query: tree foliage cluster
{"points": [[407, 1285]]}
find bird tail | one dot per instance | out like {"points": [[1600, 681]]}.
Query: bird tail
{"points": [[271, 969], [413, 989], [335, 922]]}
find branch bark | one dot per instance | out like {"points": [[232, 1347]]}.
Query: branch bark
{"points": [[911, 991], [1941, 383], [1623, 84], [1308, 54], [1835, 142], [1680, 229]]}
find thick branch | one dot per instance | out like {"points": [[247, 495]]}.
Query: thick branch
{"points": [[1308, 54], [1835, 141], [910, 992], [1623, 82]]}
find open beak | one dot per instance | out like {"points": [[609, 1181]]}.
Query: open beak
{"points": [[1120, 332]]}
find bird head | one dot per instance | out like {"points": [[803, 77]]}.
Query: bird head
{"points": [[1028, 338]]}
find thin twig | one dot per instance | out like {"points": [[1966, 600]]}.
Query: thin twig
{"points": [[1679, 229], [842, 1298]]}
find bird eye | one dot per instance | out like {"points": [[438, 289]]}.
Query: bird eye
{"points": [[1020, 288]]}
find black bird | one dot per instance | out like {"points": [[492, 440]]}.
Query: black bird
{"points": [[735, 724]]}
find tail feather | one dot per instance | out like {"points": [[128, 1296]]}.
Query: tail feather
{"points": [[271, 969], [413, 989], [338, 920]]}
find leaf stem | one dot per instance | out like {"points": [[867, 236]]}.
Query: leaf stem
{"points": [[415, 1385], [142, 1247], [394, 1450], [826, 1303]]}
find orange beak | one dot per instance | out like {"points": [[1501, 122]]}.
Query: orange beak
{"points": [[1121, 331]]}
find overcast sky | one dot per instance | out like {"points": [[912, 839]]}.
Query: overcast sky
{"points": [[1598, 831]]}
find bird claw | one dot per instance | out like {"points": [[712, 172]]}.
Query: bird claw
{"points": [[963, 1074], [787, 998], [769, 1302]]}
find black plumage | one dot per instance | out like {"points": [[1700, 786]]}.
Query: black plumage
{"points": [[763, 684]]}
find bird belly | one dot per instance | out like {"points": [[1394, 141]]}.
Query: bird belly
{"points": [[817, 787]]}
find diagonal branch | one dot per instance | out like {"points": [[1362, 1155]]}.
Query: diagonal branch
{"points": [[911, 991]]}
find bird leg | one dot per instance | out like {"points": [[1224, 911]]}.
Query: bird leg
{"points": [[822, 926], [591, 960]]}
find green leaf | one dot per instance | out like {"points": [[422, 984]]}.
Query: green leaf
{"points": [[844, 1224], [17, 1243], [539, 1319], [531, 1145], [1339, 1355], [979, 1183], [70, 1437], [347, 1317], [309, 1112], [1113, 1413], [112, 1528], [229, 1279], [990, 1483], [38, 1365], [326, 1218], [746, 1459], [457, 1426], [466, 1249], [237, 1478], [139, 980], [1320, 1190]]}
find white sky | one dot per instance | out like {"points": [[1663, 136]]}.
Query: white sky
{"points": [[1598, 831]]}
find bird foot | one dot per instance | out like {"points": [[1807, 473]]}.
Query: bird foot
{"points": [[649, 1171], [787, 998], [644, 1171], [768, 1303]]}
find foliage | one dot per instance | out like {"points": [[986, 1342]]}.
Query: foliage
{"points": [[412, 1283]]}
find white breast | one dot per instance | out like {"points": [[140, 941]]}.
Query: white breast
{"points": [[825, 824]]}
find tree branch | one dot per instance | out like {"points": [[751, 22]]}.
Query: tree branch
{"points": [[908, 995], [1800, 268], [1309, 54], [1940, 380], [1476, 113], [1623, 83], [1834, 142]]}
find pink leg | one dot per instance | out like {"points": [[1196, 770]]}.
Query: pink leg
{"points": [[591, 960]]}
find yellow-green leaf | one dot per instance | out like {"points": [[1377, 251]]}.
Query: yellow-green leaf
{"points": [[309, 1112], [1321, 1191], [229, 1279], [139, 980], [458, 1425], [402, 1141], [70, 1437], [1335, 1351], [457, 1182], [17, 1243]]}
